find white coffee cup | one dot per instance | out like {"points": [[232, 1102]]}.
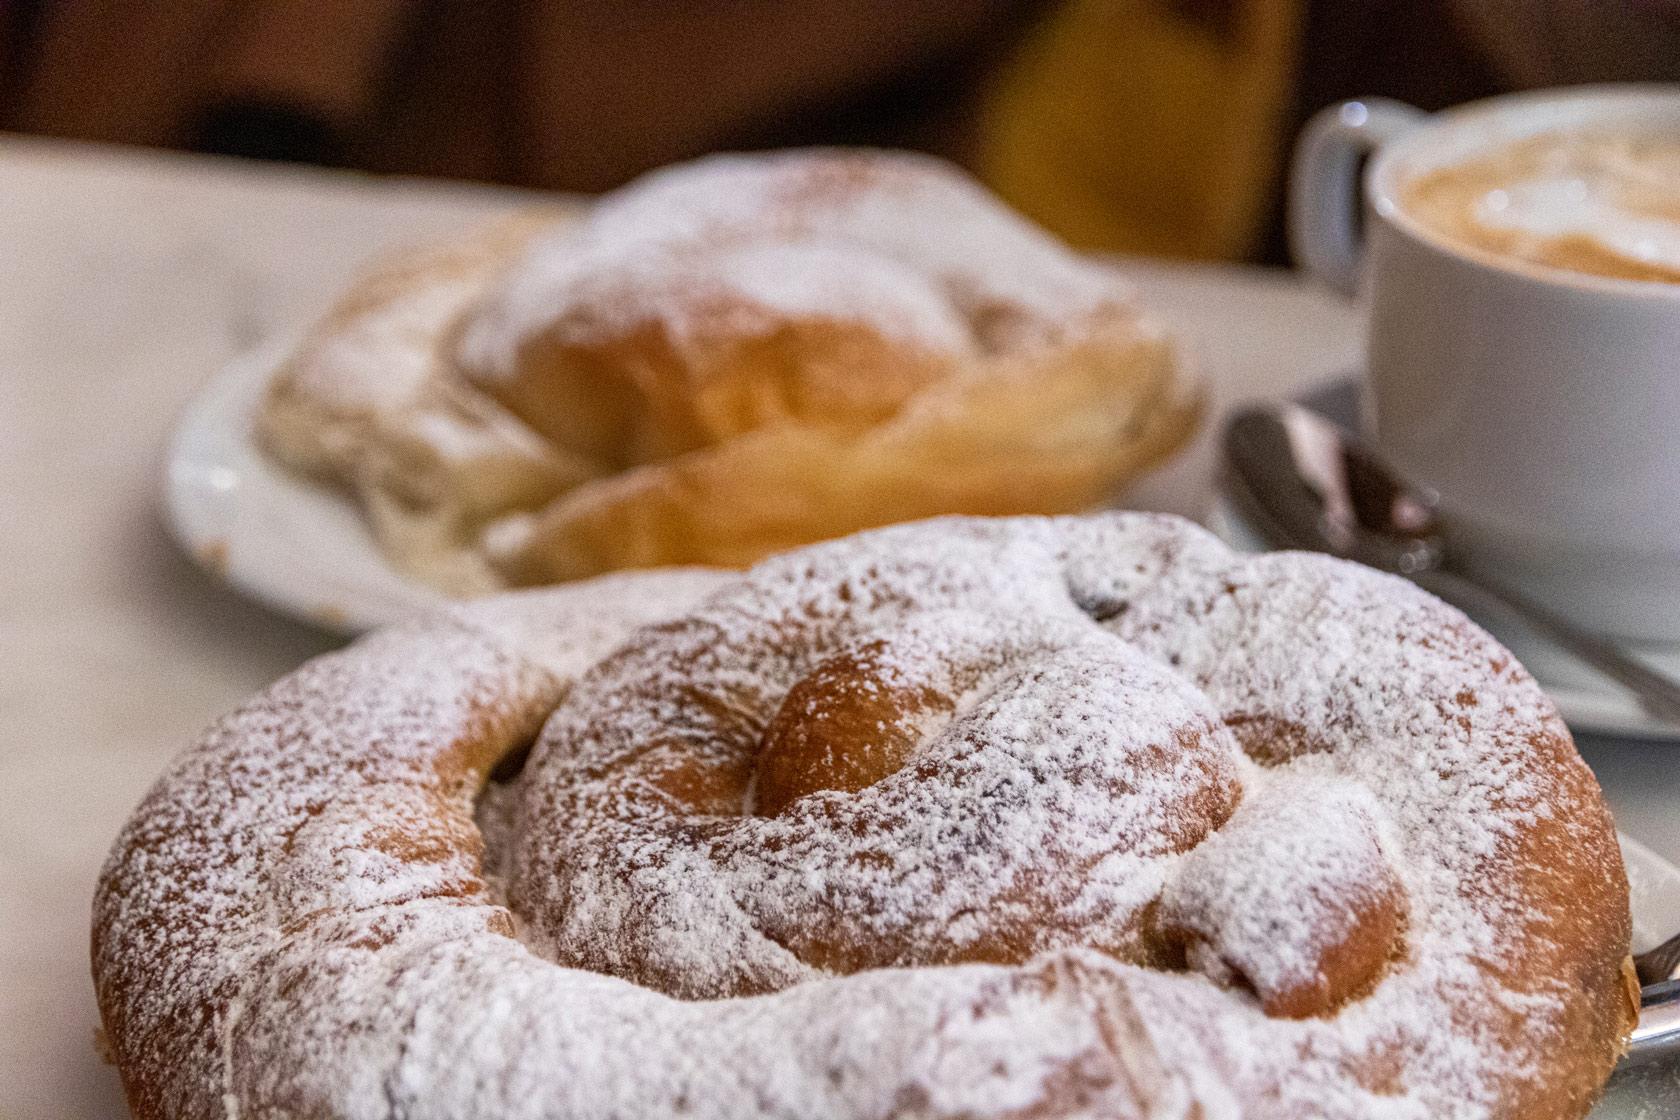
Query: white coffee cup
{"points": [[1542, 405]]}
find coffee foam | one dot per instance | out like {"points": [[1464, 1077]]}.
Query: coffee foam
{"points": [[1599, 203]]}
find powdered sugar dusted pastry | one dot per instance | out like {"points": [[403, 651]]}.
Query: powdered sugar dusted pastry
{"points": [[370, 402], [1056, 818], [733, 357]]}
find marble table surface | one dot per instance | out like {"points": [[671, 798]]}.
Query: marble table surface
{"points": [[126, 280]]}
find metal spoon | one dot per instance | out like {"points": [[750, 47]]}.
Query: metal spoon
{"points": [[1302, 481], [1659, 965], [1657, 1034]]}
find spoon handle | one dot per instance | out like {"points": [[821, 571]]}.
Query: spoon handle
{"points": [[1659, 965], [1658, 1032], [1658, 694]]}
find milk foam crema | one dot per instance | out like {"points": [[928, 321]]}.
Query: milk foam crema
{"points": [[1601, 203]]}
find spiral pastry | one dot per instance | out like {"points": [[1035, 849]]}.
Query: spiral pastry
{"points": [[1016, 818]]}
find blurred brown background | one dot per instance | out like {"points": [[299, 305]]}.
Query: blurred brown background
{"points": [[1141, 125]]}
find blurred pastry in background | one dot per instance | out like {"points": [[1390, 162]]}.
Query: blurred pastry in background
{"points": [[723, 360]]}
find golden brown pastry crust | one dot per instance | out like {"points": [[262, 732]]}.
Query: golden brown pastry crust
{"points": [[722, 361], [1046, 434], [368, 402]]}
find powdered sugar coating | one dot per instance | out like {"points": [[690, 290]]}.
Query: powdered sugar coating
{"points": [[902, 243], [1046, 811], [1337, 889], [262, 949], [378, 349]]}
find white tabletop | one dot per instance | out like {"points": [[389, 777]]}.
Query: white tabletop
{"points": [[126, 280]]}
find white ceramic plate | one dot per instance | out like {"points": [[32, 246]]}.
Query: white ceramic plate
{"points": [[1655, 884], [306, 552], [301, 548], [1649, 1092]]}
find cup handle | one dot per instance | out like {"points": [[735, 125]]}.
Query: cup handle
{"points": [[1324, 188]]}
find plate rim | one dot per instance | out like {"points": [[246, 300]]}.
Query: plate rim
{"points": [[218, 419]]}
